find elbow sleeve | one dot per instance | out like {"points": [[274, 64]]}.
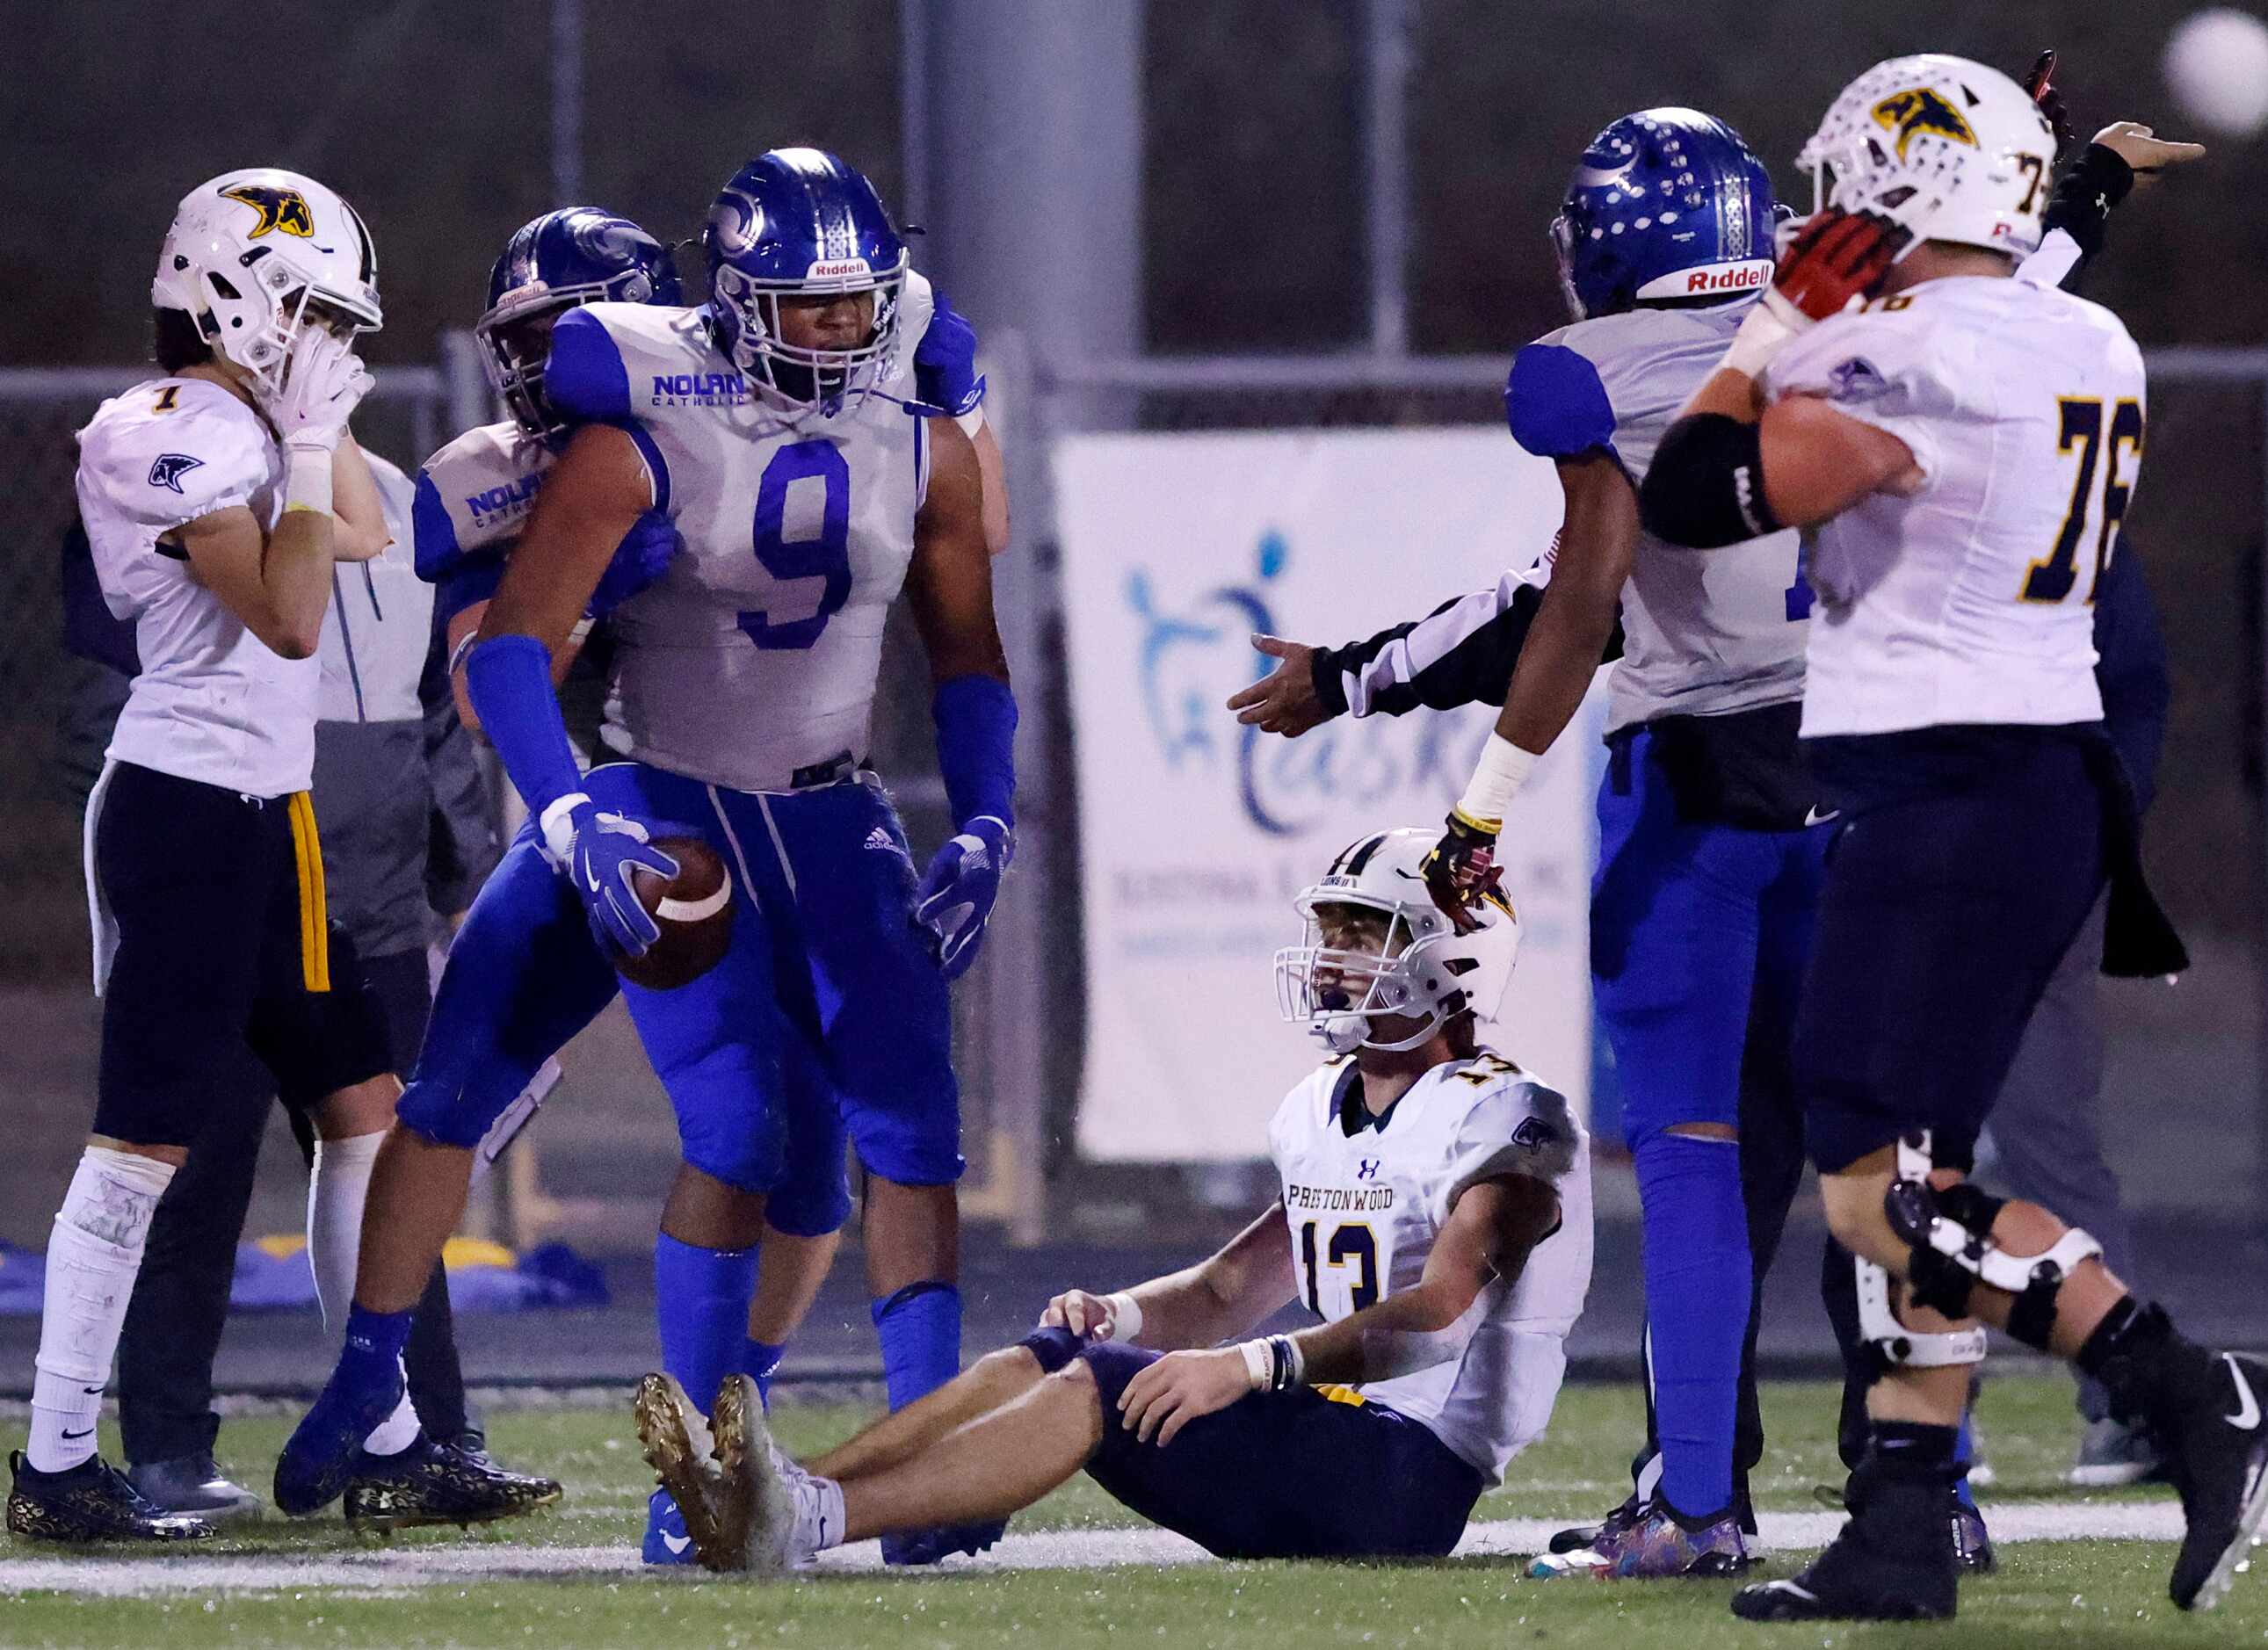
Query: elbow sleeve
{"points": [[1706, 487]]}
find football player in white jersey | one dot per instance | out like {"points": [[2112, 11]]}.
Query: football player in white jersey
{"points": [[216, 499], [775, 428], [1435, 1214], [1959, 447]]}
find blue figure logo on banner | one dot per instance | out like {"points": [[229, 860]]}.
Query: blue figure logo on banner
{"points": [[1193, 657]]}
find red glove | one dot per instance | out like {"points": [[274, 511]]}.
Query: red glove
{"points": [[2039, 85], [1834, 257]]}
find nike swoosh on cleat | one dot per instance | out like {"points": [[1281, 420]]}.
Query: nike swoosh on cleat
{"points": [[2248, 1407], [1815, 817], [676, 1543]]}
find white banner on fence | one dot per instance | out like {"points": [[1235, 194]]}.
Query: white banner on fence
{"points": [[1196, 833]]}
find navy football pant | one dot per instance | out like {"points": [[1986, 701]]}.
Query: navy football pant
{"points": [[1283, 1474], [1966, 862]]}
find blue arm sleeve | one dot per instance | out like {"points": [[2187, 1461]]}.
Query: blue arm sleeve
{"points": [[976, 719], [432, 535], [509, 680], [1554, 403]]}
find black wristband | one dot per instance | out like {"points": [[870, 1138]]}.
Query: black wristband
{"points": [[1330, 681], [2086, 195], [1706, 487]]}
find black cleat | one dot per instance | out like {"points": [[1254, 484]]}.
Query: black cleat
{"points": [[2217, 1456], [91, 1501], [195, 1484], [439, 1483], [1894, 1561]]}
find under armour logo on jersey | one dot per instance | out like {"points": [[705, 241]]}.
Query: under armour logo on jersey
{"points": [[286, 210], [170, 468], [1366, 1168], [1922, 110]]}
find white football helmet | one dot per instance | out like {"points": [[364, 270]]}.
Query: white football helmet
{"points": [[1948, 148], [249, 251], [1424, 970]]}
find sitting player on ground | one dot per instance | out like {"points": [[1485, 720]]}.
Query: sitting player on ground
{"points": [[1436, 1213]]}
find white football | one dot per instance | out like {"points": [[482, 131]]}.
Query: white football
{"points": [[2217, 68]]}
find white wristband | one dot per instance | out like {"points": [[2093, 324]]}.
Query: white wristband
{"points": [[1497, 778], [307, 479], [1259, 1363], [1769, 328], [1125, 1316]]}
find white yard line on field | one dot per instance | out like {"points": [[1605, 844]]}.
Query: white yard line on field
{"points": [[393, 1569]]}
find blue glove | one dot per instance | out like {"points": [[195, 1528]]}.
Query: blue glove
{"points": [[955, 898], [597, 852], [945, 361], [643, 557]]}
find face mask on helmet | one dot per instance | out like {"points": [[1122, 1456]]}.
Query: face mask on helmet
{"points": [[816, 379]]}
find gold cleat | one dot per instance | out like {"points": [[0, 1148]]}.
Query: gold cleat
{"points": [[677, 1448]]}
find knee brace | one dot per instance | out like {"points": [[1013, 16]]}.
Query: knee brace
{"points": [[1950, 1233], [1892, 1343]]}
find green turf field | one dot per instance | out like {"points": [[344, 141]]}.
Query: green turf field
{"points": [[280, 1584]]}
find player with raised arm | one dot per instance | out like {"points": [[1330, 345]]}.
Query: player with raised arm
{"points": [[216, 499], [771, 428], [1959, 448], [1435, 1212]]}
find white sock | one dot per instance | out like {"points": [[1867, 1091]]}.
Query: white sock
{"points": [[92, 1257], [818, 1514], [337, 1192]]}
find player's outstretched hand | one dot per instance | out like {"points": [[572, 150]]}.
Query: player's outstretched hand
{"points": [[599, 852], [945, 361], [2143, 151], [956, 896], [1461, 869], [2040, 86], [1087, 1315], [1285, 701], [1166, 1396], [1837, 256]]}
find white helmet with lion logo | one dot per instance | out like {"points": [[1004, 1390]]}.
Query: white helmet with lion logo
{"points": [[1424, 969], [250, 251], [1951, 149]]}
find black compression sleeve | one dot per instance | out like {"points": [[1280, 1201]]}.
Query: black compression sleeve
{"points": [[1706, 487], [2084, 197]]}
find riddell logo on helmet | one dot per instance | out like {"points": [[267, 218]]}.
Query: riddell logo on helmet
{"points": [[1712, 280], [829, 269]]}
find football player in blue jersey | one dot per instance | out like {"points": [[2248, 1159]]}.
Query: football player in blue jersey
{"points": [[771, 429]]}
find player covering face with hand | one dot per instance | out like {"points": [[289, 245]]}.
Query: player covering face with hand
{"points": [[1435, 1214], [1960, 446]]}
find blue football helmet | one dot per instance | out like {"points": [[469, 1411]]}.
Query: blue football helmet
{"points": [[579, 255], [1666, 206], [798, 223]]}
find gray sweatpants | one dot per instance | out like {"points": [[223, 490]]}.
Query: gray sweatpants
{"points": [[2043, 1140]]}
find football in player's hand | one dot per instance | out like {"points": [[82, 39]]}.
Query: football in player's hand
{"points": [[693, 909]]}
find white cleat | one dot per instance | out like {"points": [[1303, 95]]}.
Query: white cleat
{"points": [[678, 1446], [757, 1503]]}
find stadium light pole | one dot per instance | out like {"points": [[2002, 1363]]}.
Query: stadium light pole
{"points": [[566, 100], [1386, 167]]}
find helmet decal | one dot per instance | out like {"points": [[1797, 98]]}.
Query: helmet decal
{"points": [[1919, 109], [286, 210]]}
